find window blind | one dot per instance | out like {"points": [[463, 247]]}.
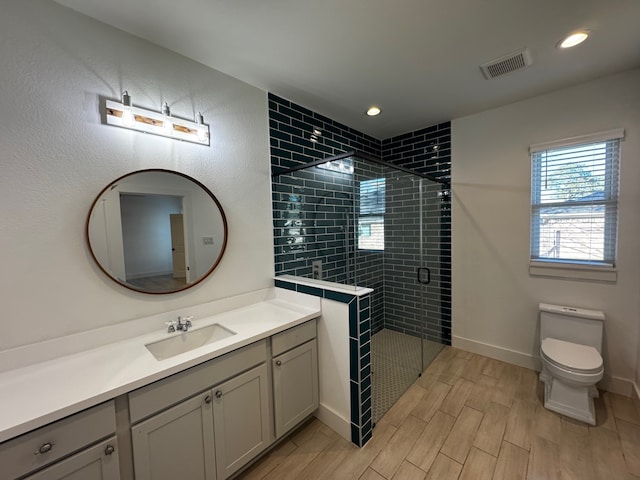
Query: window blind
{"points": [[371, 218], [574, 202], [372, 196]]}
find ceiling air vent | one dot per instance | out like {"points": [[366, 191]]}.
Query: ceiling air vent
{"points": [[506, 64]]}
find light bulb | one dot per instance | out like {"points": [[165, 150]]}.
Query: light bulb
{"points": [[128, 120], [167, 124], [574, 39], [373, 111], [203, 134]]}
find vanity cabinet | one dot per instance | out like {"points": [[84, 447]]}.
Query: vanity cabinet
{"points": [[79, 447], [295, 376], [99, 462], [177, 443], [241, 420], [208, 436]]}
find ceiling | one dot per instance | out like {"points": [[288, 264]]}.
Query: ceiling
{"points": [[416, 59]]}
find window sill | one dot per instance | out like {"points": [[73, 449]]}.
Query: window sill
{"points": [[570, 271]]}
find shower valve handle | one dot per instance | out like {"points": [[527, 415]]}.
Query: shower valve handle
{"points": [[421, 277]]}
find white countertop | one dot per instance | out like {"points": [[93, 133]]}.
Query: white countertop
{"points": [[40, 393], [333, 286]]}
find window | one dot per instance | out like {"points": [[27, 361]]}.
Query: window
{"points": [[371, 214], [574, 200]]}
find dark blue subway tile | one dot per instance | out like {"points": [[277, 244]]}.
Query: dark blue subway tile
{"points": [[366, 404], [278, 152], [366, 417], [316, 292], [353, 312], [364, 302], [289, 112], [277, 99], [366, 436], [366, 325], [365, 394], [365, 372], [300, 109], [353, 327], [367, 427], [279, 117], [365, 360], [365, 349], [287, 285], [338, 296], [355, 402], [354, 370], [291, 147], [355, 435]]}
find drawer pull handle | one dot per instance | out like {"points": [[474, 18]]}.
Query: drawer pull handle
{"points": [[46, 447], [218, 393], [207, 399], [109, 450], [278, 363]]}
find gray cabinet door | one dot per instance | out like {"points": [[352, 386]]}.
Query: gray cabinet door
{"points": [[177, 443], [99, 462], [241, 420], [295, 386]]}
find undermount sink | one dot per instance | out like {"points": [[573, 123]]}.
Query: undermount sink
{"points": [[184, 342]]}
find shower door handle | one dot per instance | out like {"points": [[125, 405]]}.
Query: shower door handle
{"points": [[420, 273]]}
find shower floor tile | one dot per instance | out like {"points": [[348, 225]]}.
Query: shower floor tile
{"points": [[395, 365]]}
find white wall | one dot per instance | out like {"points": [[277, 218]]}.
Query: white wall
{"points": [[333, 367], [56, 156], [494, 298], [636, 395], [146, 233]]}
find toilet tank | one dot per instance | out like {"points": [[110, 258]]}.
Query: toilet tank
{"points": [[572, 324]]}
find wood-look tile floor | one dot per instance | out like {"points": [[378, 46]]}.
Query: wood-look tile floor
{"points": [[468, 417]]}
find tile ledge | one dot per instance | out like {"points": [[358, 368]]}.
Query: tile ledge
{"points": [[335, 287]]}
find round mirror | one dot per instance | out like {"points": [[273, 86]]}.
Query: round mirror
{"points": [[156, 231]]}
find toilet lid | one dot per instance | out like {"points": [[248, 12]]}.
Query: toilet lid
{"points": [[571, 355]]}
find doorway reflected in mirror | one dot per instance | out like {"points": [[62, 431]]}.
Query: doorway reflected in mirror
{"points": [[156, 231]]}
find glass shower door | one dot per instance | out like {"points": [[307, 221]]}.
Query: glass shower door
{"points": [[429, 272], [405, 274]]}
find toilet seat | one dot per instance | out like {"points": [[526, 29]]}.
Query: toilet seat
{"points": [[581, 359]]}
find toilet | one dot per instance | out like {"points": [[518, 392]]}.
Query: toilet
{"points": [[571, 354]]}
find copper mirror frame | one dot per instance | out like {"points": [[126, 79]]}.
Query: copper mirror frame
{"points": [[156, 231]]}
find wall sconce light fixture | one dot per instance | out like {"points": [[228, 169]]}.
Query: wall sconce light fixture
{"points": [[315, 135], [124, 114], [339, 166]]}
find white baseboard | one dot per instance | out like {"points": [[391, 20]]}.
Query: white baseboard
{"points": [[334, 421], [635, 395], [621, 386], [618, 385], [499, 353]]}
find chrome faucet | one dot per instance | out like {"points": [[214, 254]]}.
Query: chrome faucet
{"points": [[171, 326], [184, 323], [181, 324]]}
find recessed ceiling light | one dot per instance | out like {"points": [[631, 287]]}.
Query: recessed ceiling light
{"points": [[373, 111], [574, 39]]}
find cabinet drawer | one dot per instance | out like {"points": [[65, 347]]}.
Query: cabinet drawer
{"points": [[99, 462], [162, 394], [293, 337], [36, 449]]}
